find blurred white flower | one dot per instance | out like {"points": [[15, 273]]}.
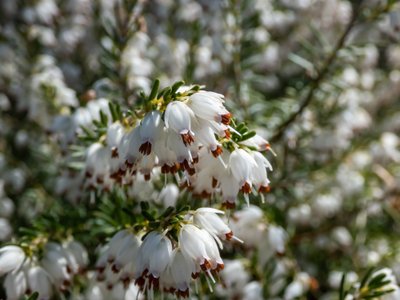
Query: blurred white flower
{"points": [[11, 259], [298, 287]]}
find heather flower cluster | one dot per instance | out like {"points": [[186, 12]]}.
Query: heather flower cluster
{"points": [[55, 271], [168, 261], [160, 261], [190, 137]]}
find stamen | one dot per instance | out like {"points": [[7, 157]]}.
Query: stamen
{"points": [[209, 285], [214, 182], [262, 198], [264, 189], [145, 148], [217, 152], [246, 188], [246, 197], [237, 239], [114, 152], [226, 118], [227, 134], [222, 161], [196, 286], [210, 275], [229, 236], [187, 138]]}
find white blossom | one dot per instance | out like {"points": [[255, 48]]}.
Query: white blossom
{"points": [[11, 258]]}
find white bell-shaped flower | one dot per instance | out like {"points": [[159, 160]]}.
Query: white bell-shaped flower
{"points": [[200, 246], [167, 159], [94, 108], [11, 258], [153, 257], [234, 276], [277, 237], [39, 281], [259, 172], [119, 165], [160, 257], [298, 287], [229, 189], [181, 269], [273, 242], [208, 219], [178, 118], [248, 225], [257, 142], [176, 145], [241, 164], [169, 195], [209, 106], [79, 253], [150, 129], [15, 285], [202, 183], [56, 265], [167, 282], [192, 245], [133, 154], [96, 291], [206, 136], [98, 162], [253, 291], [147, 164], [115, 245], [209, 171], [127, 252], [114, 135], [81, 117]]}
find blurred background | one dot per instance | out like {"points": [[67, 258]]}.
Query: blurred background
{"points": [[319, 79]]}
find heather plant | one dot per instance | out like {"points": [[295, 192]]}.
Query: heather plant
{"points": [[199, 149]]}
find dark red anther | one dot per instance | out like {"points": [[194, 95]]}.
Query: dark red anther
{"points": [[246, 188], [226, 118], [114, 152], [145, 148], [187, 138], [229, 205], [217, 152], [214, 182], [264, 189], [229, 236]]}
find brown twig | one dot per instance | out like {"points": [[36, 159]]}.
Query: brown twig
{"points": [[321, 75]]}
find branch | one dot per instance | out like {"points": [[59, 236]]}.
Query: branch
{"points": [[321, 75]]}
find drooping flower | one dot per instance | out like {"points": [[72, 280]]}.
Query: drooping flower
{"points": [[241, 164], [11, 258], [208, 219], [15, 285], [153, 257], [57, 266], [209, 106], [169, 195], [200, 246], [39, 281], [150, 130], [181, 269], [259, 172], [178, 117]]}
